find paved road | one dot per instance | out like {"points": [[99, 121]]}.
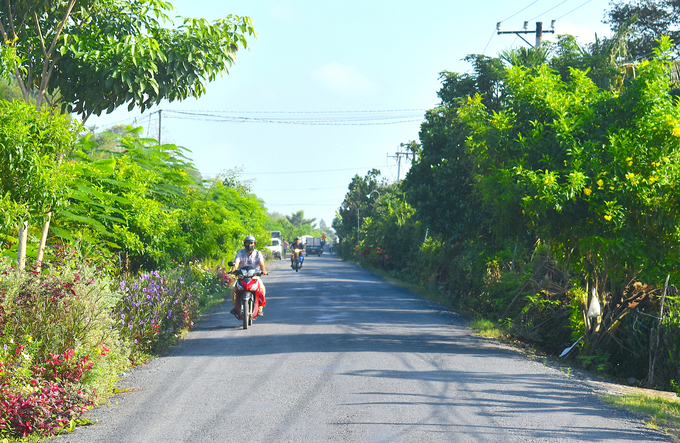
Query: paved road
{"points": [[340, 356]]}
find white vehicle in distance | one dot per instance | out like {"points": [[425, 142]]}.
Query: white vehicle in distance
{"points": [[275, 249]]}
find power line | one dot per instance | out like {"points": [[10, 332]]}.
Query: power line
{"points": [[312, 203], [307, 112], [375, 122], [302, 189], [487, 43], [526, 7], [334, 118], [542, 13], [305, 204], [344, 121], [307, 172], [573, 10]]}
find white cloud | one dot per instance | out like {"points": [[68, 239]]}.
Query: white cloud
{"points": [[341, 78]]}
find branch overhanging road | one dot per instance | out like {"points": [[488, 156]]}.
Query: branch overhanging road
{"points": [[341, 356]]}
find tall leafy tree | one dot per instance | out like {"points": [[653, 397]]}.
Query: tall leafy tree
{"points": [[590, 171], [93, 56], [439, 183], [356, 207], [33, 179], [648, 20], [298, 219]]}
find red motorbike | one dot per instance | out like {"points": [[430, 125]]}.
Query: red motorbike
{"points": [[248, 293]]}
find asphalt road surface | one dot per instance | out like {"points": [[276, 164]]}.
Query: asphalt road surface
{"points": [[341, 356]]}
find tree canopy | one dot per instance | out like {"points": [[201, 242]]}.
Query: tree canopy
{"points": [[90, 57], [648, 21]]}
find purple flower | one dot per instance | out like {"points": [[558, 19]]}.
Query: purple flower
{"points": [[87, 319], [122, 316], [5, 346]]}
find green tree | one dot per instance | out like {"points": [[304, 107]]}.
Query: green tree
{"points": [[648, 21], [356, 207], [298, 219], [91, 57], [439, 183], [33, 177], [587, 171]]}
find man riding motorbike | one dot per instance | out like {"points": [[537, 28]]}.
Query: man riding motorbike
{"points": [[252, 257], [297, 245]]}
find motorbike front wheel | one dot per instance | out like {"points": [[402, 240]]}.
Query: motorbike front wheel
{"points": [[244, 313]]}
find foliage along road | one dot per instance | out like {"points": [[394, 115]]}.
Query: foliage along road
{"points": [[341, 356]]}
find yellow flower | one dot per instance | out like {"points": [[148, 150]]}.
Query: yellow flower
{"points": [[587, 191], [611, 187], [608, 217], [600, 183], [676, 132], [666, 159]]}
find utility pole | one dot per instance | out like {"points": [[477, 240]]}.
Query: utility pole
{"points": [[539, 32], [398, 156], [160, 126]]}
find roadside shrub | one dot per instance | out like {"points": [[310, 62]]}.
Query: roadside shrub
{"points": [[155, 308], [58, 349]]}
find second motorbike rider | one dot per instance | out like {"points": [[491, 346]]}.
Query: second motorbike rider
{"points": [[297, 245], [252, 257]]}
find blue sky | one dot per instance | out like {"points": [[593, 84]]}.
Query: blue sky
{"points": [[338, 62]]}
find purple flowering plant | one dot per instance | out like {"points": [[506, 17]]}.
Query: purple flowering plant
{"points": [[153, 309]]}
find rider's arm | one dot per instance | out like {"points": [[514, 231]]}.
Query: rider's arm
{"points": [[263, 268]]}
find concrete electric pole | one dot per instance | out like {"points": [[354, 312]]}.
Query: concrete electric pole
{"points": [[398, 156], [539, 32]]}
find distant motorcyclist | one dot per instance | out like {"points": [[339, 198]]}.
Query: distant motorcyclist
{"points": [[296, 245], [249, 256]]}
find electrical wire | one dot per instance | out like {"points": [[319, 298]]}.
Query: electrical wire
{"points": [[573, 10], [302, 189], [487, 43], [319, 118], [304, 204], [309, 172], [355, 122], [526, 7], [542, 13], [307, 112], [374, 119]]}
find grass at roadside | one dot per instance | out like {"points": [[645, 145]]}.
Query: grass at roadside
{"points": [[661, 412], [487, 328]]}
